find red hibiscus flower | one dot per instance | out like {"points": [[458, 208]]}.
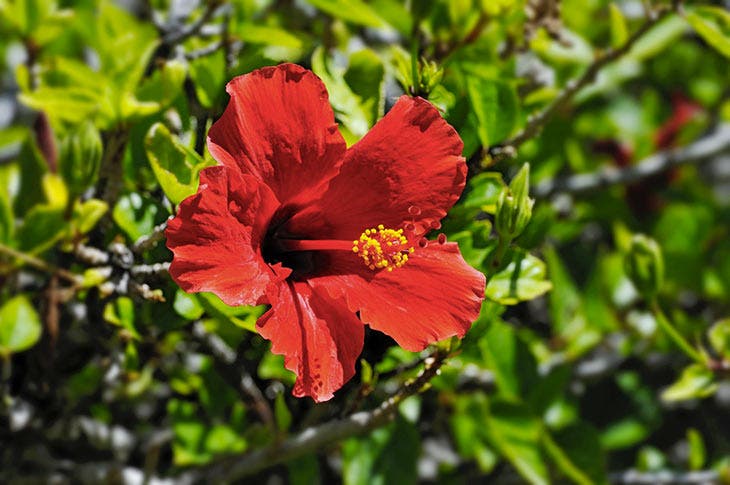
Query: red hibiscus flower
{"points": [[330, 237]]}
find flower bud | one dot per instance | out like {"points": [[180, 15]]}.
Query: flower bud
{"points": [[514, 206], [645, 265], [81, 152]]}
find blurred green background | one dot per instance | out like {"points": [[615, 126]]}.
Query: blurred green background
{"points": [[600, 356]]}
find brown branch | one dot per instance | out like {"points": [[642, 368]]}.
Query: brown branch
{"points": [[508, 148], [148, 241], [178, 36], [316, 437], [39, 264], [711, 145]]}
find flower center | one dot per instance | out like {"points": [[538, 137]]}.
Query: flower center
{"points": [[382, 248], [379, 248]]}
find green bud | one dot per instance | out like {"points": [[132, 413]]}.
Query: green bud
{"points": [[514, 206], [81, 152], [645, 265]]}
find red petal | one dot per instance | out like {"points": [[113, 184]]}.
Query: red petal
{"points": [[319, 337], [216, 238], [279, 127], [435, 295], [408, 168]]}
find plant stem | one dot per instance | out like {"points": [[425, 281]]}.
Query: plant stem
{"points": [[537, 121], [674, 335], [497, 256]]}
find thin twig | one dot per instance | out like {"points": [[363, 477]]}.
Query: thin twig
{"points": [[150, 269], [230, 368], [706, 147], [315, 437], [635, 477], [39, 264], [178, 36], [536, 122], [148, 241]]}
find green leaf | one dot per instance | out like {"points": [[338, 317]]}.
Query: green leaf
{"points": [[20, 327], [165, 84], [42, 227], [7, 221], [87, 214], [365, 75], [304, 470], [696, 382], [509, 358], [55, 190], [243, 316], [121, 313], [175, 167], [719, 337], [387, 456], [580, 445], [69, 104], [482, 191], [697, 453], [272, 367], [619, 29], [281, 413], [496, 108], [353, 11], [135, 215], [347, 105], [32, 168], [624, 434], [516, 434], [208, 74], [187, 305], [521, 280], [196, 442], [661, 36], [264, 34], [709, 31]]}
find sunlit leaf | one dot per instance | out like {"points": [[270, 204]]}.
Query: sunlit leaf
{"points": [[20, 326]]}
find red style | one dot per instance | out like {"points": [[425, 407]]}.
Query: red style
{"points": [[330, 237]]}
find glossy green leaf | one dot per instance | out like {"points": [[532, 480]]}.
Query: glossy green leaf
{"points": [[7, 220], [20, 326], [354, 11], [187, 306], [387, 456], [515, 432], [42, 227], [522, 279], [710, 31], [719, 336], [697, 451], [87, 214], [175, 166], [496, 108], [135, 215], [696, 382], [121, 312], [264, 34], [509, 359], [355, 116], [619, 29], [579, 445]]}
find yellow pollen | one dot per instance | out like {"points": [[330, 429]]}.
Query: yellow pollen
{"points": [[382, 248]]}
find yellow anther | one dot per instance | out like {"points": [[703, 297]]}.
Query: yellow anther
{"points": [[382, 248]]}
